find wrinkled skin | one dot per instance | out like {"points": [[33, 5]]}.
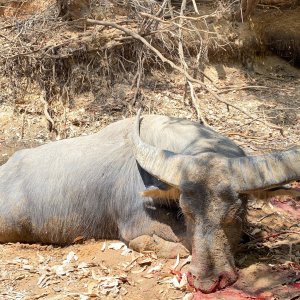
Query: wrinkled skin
{"points": [[214, 215]]}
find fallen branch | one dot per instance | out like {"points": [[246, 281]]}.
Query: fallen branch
{"points": [[255, 87], [182, 71], [264, 137], [273, 235]]}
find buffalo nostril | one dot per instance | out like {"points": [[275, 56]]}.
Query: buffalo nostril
{"points": [[210, 284], [205, 285], [227, 279]]}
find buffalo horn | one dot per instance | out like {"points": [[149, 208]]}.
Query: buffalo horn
{"points": [[250, 173], [165, 165]]}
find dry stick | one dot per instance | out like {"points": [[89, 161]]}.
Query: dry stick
{"points": [[23, 123], [195, 100], [171, 22], [248, 136], [178, 17], [195, 7], [138, 80], [182, 71], [180, 48], [46, 112], [242, 88], [161, 9], [170, 9], [273, 235]]}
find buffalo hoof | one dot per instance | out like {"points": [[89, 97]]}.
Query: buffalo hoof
{"points": [[163, 248]]}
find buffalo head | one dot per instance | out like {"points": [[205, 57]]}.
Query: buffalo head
{"points": [[213, 194]]}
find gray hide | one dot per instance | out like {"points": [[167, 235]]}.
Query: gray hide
{"points": [[90, 186]]}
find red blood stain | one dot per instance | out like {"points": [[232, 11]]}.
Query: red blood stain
{"points": [[290, 206], [295, 285]]}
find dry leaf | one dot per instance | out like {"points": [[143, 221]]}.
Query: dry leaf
{"points": [[41, 258], [59, 270], [155, 269], [103, 247], [145, 261], [182, 282], [71, 256], [83, 265], [255, 231], [27, 267], [153, 255], [116, 246], [148, 276], [126, 251], [91, 287], [139, 271], [188, 296], [176, 263]]}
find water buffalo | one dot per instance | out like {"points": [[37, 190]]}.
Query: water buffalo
{"points": [[169, 179]]}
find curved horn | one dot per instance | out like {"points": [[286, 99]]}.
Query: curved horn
{"points": [[252, 173], [165, 165]]}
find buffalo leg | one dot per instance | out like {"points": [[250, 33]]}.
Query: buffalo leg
{"points": [[161, 247], [162, 232]]}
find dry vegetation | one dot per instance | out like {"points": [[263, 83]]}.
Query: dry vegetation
{"points": [[62, 77]]}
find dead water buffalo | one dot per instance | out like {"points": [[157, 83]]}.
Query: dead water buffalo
{"points": [[169, 179]]}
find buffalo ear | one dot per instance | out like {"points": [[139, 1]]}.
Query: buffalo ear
{"points": [[171, 193]]}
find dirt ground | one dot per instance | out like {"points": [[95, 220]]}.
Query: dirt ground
{"points": [[269, 259]]}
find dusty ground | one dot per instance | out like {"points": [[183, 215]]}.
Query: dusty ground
{"points": [[269, 260]]}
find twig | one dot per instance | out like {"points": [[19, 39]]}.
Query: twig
{"points": [[248, 137], [171, 21], [180, 49], [194, 97], [138, 78], [161, 9], [182, 71], [23, 123], [195, 7], [46, 113], [273, 235], [195, 101], [266, 216], [226, 90], [178, 17]]}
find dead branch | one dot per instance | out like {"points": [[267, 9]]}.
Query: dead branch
{"points": [[172, 21], [180, 49], [46, 113], [255, 87], [195, 102], [272, 235], [138, 78], [182, 71]]}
